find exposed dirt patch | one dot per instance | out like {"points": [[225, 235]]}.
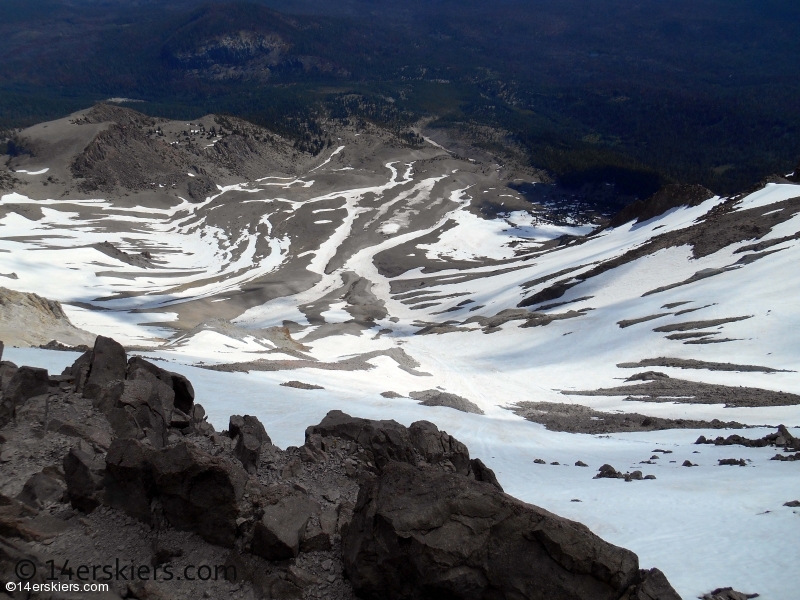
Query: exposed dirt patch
{"points": [[690, 325], [628, 322], [692, 392], [440, 398], [576, 418], [301, 385], [355, 363], [690, 363]]}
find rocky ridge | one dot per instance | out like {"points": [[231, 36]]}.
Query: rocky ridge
{"points": [[113, 458]]}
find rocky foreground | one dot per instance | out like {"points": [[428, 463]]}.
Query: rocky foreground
{"points": [[113, 463]]}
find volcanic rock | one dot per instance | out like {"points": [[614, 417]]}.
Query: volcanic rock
{"points": [[424, 534], [199, 492], [83, 473], [108, 363]]}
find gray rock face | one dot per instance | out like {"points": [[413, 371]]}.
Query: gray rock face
{"points": [[84, 476], [109, 363], [199, 492], [419, 534], [278, 534]]}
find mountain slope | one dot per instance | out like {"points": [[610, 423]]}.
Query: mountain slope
{"points": [[370, 271]]}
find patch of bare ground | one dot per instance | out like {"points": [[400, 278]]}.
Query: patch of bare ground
{"points": [[440, 398], [354, 363], [628, 322], [301, 385], [722, 226], [531, 319], [690, 325], [690, 363], [576, 418], [692, 392], [691, 335]]}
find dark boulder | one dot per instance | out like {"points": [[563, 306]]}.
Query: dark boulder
{"points": [[249, 435], [280, 531], [438, 446], [129, 480], [25, 383], [419, 534], [180, 386], [78, 372], [480, 472], [184, 392], [84, 473], [199, 492], [109, 363], [135, 410]]}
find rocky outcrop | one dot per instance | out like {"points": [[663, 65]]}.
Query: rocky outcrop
{"points": [[248, 436], [403, 512], [31, 320], [24, 383], [423, 534]]}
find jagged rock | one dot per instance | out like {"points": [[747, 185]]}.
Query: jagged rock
{"points": [[7, 370], [43, 488], [25, 383], [278, 534], [653, 586], [135, 409], [78, 372], [425, 534], [199, 492], [129, 482], [437, 446], [250, 435], [483, 473], [83, 473], [179, 419], [384, 441], [183, 397], [109, 363]]}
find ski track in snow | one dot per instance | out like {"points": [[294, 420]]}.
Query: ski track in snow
{"points": [[705, 527]]}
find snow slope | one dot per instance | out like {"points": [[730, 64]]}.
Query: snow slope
{"points": [[390, 281]]}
